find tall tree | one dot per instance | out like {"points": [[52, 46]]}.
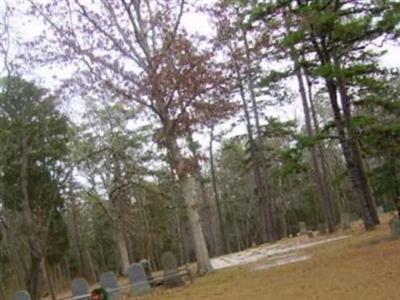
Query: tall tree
{"points": [[138, 51], [244, 61], [34, 138], [334, 37]]}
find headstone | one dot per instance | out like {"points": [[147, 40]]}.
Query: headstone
{"points": [[138, 279], [109, 282], [380, 210], [394, 224], [22, 295], [80, 289], [172, 278], [345, 220], [146, 266], [302, 227], [321, 229]]}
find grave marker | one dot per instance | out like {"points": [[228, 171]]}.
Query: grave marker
{"points": [[138, 279], [302, 227], [109, 282], [394, 224], [22, 295], [80, 289], [172, 278]]}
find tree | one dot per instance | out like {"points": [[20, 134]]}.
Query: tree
{"points": [[34, 138], [138, 51], [244, 61], [332, 38]]}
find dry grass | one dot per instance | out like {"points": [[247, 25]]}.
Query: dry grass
{"points": [[365, 266]]}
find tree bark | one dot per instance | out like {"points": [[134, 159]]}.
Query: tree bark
{"points": [[349, 153], [123, 253], [348, 141], [354, 145], [322, 188], [185, 172], [33, 239], [49, 280], [188, 185], [209, 211], [216, 193], [324, 195], [266, 205]]}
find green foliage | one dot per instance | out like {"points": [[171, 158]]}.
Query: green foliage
{"points": [[27, 113]]}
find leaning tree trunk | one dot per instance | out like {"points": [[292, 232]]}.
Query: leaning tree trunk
{"points": [[348, 153], [347, 140], [354, 145]]}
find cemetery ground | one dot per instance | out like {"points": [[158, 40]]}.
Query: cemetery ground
{"points": [[364, 266]]}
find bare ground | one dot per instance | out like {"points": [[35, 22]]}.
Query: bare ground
{"points": [[364, 266]]}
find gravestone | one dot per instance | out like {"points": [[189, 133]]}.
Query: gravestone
{"points": [[172, 278], [394, 224], [22, 295], [138, 279], [345, 220], [302, 227], [146, 266], [321, 229], [109, 282], [80, 289], [380, 210]]}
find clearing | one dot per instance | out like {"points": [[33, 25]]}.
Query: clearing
{"points": [[364, 266]]}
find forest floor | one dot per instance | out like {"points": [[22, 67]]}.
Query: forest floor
{"points": [[364, 266]]}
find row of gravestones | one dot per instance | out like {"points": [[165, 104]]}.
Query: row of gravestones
{"points": [[140, 280], [80, 289]]}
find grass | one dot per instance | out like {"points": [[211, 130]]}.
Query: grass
{"points": [[365, 266]]}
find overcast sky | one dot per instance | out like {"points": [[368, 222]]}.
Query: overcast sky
{"points": [[26, 29]]}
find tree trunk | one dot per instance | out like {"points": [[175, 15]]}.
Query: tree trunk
{"points": [[49, 280], [84, 267], [322, 188], [266, 204], [188, 185], [324, 195], [184, 170], [283, 222], [348, 142], [348, 153], [354, 145], [33, 277], [209, 218], [123, 253], [216, 193], [33, 238]]}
